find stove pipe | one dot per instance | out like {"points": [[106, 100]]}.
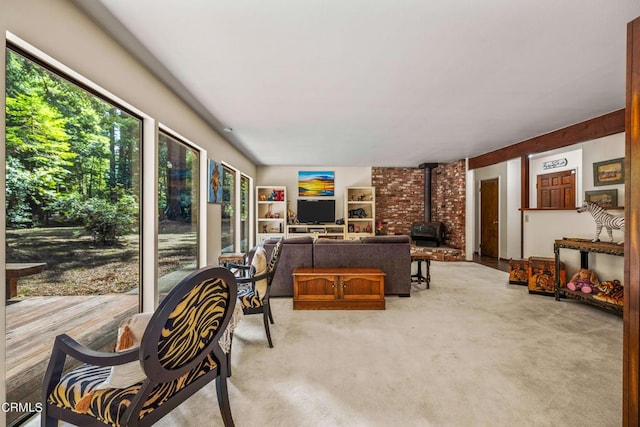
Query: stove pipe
{"points": [[427, 189]]}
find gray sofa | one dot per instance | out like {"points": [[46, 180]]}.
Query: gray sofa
{"points": [[391, 254], [295, 252]]}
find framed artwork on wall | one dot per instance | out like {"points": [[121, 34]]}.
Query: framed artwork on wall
{"points": [[605, 198], [316, 183], [608, 172], [215, 182]]}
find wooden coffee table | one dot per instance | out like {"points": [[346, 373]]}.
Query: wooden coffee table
{"points": [[338, 288]]}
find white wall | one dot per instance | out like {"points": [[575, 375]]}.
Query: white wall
{"points": [[607, 148], [288, 176], [542, 227], [61, 31], [512, 210], [574, 162], [482, 174]]}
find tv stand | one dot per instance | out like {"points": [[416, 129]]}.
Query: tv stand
{"points": [[317, 231]]}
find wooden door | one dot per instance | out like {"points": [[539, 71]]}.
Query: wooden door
{"points": [[557, 189], [489, 223]]}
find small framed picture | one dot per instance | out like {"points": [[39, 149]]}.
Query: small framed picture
{"points": [[608, 172], [605, 198], [215, 182]]}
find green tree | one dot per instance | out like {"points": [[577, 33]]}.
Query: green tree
{"points": [[38, 150], [63, 143]]}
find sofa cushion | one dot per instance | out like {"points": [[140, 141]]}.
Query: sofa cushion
{"points": [[387, 239], [337, 242]]}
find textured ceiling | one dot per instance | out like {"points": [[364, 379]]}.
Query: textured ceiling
{"points": [[381, 82]]}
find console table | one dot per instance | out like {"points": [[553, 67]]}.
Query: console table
{"points": [[585, 247], [338, 288]]}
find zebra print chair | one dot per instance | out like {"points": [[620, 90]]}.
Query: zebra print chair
{"points": [[179, 354], [254, 286]]}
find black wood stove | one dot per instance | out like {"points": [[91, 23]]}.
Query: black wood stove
{"points": [[427, 232]]}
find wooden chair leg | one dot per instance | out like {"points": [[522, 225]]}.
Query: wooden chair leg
{"points": [[223, 400], [229, 355], [268, 308], [265, 316]]}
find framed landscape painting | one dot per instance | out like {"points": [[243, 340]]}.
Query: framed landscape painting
{"points": [[316, 183], [608, 172], [605, 198]]}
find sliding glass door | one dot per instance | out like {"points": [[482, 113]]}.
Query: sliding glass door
{"points": [[178, 200], [72, 218]]}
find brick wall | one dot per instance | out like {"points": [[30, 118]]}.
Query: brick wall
{"points": [[400, 200], [449, 201]]}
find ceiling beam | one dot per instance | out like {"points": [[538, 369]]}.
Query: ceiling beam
{"points": [[595, 128]]}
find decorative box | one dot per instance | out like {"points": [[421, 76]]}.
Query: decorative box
{"points": [[542, 275], [519, 272]]}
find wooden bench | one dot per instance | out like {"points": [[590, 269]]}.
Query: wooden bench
{"points": [[15, 270]]}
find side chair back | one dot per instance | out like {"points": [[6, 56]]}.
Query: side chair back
{"points": [[253, 302], [179, 354]]}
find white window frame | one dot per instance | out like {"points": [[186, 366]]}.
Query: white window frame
{"points": [[237, 207]]}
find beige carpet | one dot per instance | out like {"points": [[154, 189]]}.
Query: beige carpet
{"points": [[470, 351]]}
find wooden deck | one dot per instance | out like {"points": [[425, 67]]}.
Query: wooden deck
{"points": [[33, 323]]}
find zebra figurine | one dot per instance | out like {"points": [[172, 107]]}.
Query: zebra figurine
{"points": [[603, 219]]}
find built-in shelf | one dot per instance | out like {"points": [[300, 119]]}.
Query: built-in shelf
{"points": [[360, 212], [271, 209]]}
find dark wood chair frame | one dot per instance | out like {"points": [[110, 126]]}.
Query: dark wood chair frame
{"points": [[147, 353], [247, 278]]}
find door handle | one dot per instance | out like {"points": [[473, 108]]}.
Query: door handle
{"points": [[496, 222]]}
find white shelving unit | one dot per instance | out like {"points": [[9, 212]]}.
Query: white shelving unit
{"points": [[271, 206], [324, 231], [360, 212]]}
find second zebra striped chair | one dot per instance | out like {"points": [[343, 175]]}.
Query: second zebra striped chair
{"points": [[254, 284]]}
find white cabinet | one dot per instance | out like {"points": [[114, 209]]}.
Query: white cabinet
{"points": [[360, 212], [271, 212]]}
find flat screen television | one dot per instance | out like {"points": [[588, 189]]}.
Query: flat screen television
{"points": [[316, 211]]}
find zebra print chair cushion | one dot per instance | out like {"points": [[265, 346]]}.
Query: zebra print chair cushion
{"points": [[249, 297], [108, 405]]}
